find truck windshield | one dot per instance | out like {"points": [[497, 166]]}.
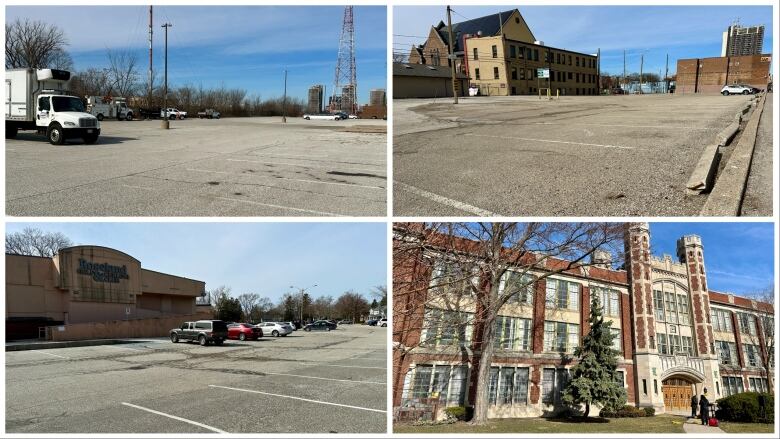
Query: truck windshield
{"points": [[67, 103]]}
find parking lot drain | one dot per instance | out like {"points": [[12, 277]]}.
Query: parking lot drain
{"points": [[213, 183]]}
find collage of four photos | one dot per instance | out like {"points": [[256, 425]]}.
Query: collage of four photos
{"points": [[390, 220]]}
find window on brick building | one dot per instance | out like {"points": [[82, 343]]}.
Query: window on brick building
{"points": [[577, 63], [682, 309], [450, 277], [520, 286], [508, 385], [747, 324], [621, 377], [447, 328], [522, 73], [721, 320], [644, 386], [662, 345], [512, 333], [658, 304], [520, 52], [671, 308], [514, 72], [687, 346], [562, 294], [448, 382], [732, 385], [495, 72], [609, 300], [494, 51], [476, 54], [548, 386], [561, 336], [727, 352], [752, 355], [758, 385], [536, 54], [617, 342], [476, 74]]}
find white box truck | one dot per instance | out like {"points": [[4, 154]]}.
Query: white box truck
{"points": [[112, 108], [36, 100]]}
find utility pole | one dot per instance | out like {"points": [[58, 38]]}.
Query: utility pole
{"points": [[452, 56], [624, 67], [641, 66], [284, 101], [598, 71], [666, 75], [166, 122], [151, 76], [301, 292]]}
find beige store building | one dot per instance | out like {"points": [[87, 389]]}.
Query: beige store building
{"points": [[86, 291]]}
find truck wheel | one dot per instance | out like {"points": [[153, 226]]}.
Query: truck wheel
{"points": [[202, 340], [90, 139], [174, 338], [746, 92], [172, 117], [10, 132], [129, 116], [219, 342], [55, 134], [100, 116]]}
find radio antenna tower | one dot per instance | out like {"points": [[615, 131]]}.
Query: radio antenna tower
{"points": [[345, 87]]}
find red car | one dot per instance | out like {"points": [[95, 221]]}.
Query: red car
{"points": [[244, 331]]}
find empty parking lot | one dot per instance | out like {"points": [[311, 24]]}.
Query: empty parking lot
{"points": [[317, 382], [577, 156], [227, 167]]}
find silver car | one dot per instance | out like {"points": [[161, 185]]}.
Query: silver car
{"points": [[276, 329]]}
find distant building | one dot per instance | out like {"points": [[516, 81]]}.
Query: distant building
{"points": [[377, 97], [316, 98], [501, 56], [740, 41], [709, 75]]}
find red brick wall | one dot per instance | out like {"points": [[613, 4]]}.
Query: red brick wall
{"points": [[737, 338], [538, 321], [625, 321], [709, 75], [585, 312]]}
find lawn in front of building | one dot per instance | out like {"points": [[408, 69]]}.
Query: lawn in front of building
{"points": [[746, 427], [655, 424]]}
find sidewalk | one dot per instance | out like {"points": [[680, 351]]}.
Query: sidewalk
{"points": [[694, 426], [27, 345]]}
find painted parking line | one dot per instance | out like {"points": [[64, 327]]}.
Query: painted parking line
{"points": [[207, 427], [299, 399], [53, 355], [381, 383], [276, 206], [300, 165], [444, 200], [351, 367], [682, 127], [289, 179], [548, 141]]}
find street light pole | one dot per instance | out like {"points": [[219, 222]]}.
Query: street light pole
{"points": [[284, 101], [301, 291], [166, 122]]}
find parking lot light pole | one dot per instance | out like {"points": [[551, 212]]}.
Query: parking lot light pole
{"points": [[301, 292], [166, 122], [284, 101]]}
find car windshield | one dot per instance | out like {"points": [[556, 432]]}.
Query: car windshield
{"points": [[67, 103]]}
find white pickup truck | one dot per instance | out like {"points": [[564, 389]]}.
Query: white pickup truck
{"points": [[323, 116], [173, 113]]}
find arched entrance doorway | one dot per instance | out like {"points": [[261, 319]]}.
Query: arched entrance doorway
{"points": [[677, 393]]}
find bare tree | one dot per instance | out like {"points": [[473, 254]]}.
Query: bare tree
{"points": [[380, 292], [215, 294], [477, 268], [322, 307], [91, 82], [352, 305], [248, 302], [35, 44], [122, 72], [36, 242]]}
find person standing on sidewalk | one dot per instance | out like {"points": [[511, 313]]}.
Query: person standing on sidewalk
{"points": [[694, 404], [704, 408]]}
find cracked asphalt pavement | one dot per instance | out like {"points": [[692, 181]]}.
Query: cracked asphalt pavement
{"points": [[226, 167], [577, 156], [318, 382]]}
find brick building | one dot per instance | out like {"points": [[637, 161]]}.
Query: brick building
{"points": [[674, 336], [709, 75], [501, 56]]}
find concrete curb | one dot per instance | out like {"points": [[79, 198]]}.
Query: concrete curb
{"points": [[701, 178], [726, 196], [37, 345], [725, 136]]}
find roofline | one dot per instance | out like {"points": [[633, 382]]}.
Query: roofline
{"points": [[173, 275], [28, 256], [538, 45], [98, 246]]}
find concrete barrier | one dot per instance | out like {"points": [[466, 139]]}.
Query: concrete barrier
{"points": [[726, 196], [725, 136], [703, 174]]}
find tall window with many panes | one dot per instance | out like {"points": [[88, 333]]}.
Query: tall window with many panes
{"points": [[562, 294]]}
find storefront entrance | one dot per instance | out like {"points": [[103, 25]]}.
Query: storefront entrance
{"points": [[677, 393]]}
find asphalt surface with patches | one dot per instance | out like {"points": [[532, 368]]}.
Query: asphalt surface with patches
{"points": [[227, 167], [318, 382], [577, 156]]}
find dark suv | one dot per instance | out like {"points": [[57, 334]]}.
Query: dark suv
{"points": [[202, 331]]}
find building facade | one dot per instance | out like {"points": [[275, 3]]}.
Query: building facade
{"points": [[425, 81], [316, 98], [501, 56], [674, 336], [709, 75], [89, 284], [377, 97], [742, 40]]}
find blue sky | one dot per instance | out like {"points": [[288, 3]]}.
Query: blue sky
{"points": [[681, 31], [239, 46], [263, 258], [739, 257]]}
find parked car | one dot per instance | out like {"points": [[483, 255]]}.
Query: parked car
{"points": [[345, 322], [209, 113], [173, 113], [320, 325], [203, 331], [382, 322], [353, 116], [276, 329], [244, 331], [736, 89], [617, 91], [371, 322], [322, 116], [292, 325]]}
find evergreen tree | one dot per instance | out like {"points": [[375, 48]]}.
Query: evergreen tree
{"points": [[595, 378]]}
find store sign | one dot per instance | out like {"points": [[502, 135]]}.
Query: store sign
{"points": [[102, 272], [543, 73]]}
